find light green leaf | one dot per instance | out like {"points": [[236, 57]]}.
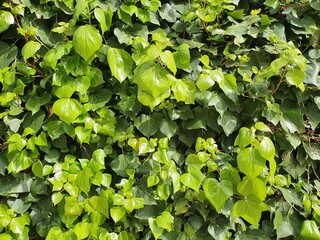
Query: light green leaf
{"points": [[192, 179], [29, 49], [168, 128], [245, 137], [310, 230], [266, 148], [204, 81], [249, 209], [217, 192], [83, 180], [17, 225], [101, 17], [182, 57], [228, 84], [86, 41], [120, 63], [68, 109], [262, 127], [165, 220], [252, 186], [153, 79], [117, 213], [184, 90], [295, 76], [37, 169], [82, 230], [6, 19], [250, 162], [168, 59], [155, 229]]}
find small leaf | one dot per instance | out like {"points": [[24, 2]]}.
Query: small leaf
{"points": [[168, 128], [155, 229], [37, 169], [217, 192], [184, 90], [83, 180], [117, 213], [182, 56], [168, 59], [148, 125], [29, 49], [244, 138], [253, 186], [68, 109], [120, 63], [192, 179], [101, 17], [86, 41]]}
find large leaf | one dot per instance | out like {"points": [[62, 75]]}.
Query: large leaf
{"points": [[310, 230], [6, 19], [86, 41], [68, 109], [184, 90], [217, 192], [182, 56], [253, 186], [29, 49], [7, 54], [153, 79], [249, 209], [250, 162], [120, 63]]}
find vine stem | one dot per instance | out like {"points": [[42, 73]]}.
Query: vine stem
{"points": [[281, 80]]}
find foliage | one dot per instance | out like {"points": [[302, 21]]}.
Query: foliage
{"points": [[149, 119]]}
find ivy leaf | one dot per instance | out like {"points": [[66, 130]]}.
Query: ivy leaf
{"points": [[86, 41], [267, 149], [155, 229], [82, 230], [249, 209], [117, 213], [310, 230], [253, 186], [250, 162], [83, 180], [68, 109], [295, 77], [313, 150], [229, 122], [168, 128], [217, 192], [148, 125], [148, 100], [168, 59], [153, 79], [192, 179], [29, 49], [99, 98], [182, 57], [35, 102], [244, 138], [6, 19], [120, 63], [165, 220], [101, 17], [184, 90]]}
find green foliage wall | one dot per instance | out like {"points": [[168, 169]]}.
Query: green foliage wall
{"points": [[149, 119]]}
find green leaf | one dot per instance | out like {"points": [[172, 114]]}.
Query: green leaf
{"points": [[148, 125], [182, 57], [290, 196], [168, 59], [295, 77], [217, 192], [67, 109], [168, 128], [34, 103], [228, 84], [165, 220], [244, 138], [6, 19], [83, 180], [153, 79], [117, 213], [313, 150], [229, 122], [253, 186], [184, 90], [99, 98], [120, 63], [7, 54], [155, 229], [101, 17], [249, 209], [266, 148], [148, 100], [250, 162], [37, 169], [192, 179], [86, 41], [310, 230], [17, 225], [82, 230], [29, 49]]}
